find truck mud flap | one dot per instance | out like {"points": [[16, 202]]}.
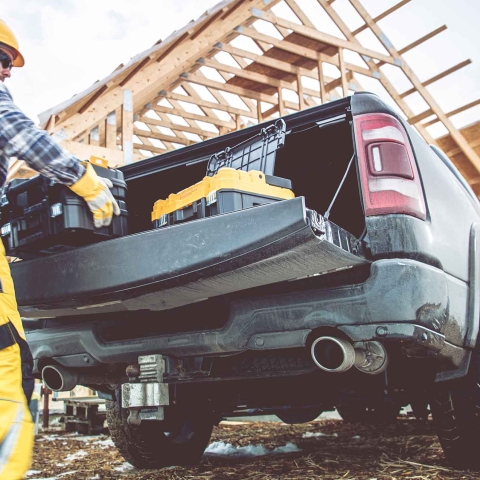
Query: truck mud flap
{"points": [[174, 266]]}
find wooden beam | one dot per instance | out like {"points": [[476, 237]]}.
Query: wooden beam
{"points": [[160, 136], [438, 77], [175, 127], [454, 112], [323, 92], [303, 51], [343, 75], [455, 134], [94, 137], [92, 99], [320, 36], [193, 116], [382, 15], [256, 77], [300, 91], [259, 111], [111, 130], [204, 103], [281, 108], [421, 40], [299, 13], [375, 70], [135, 70], [127, 126], [84, 152]]}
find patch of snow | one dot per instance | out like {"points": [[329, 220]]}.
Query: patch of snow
{"points": [[47, 478], [67, 473], [96, 477], [32, 472], [104, 443], [228, 450], [60, 464], [76, 456], [50, 437], [318, 434], [356, 437], [123, 467]]}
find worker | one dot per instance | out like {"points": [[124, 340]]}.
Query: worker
{"points": [[20, 138]]}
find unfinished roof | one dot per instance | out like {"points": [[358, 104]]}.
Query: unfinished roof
{"points": [[243, 62]]}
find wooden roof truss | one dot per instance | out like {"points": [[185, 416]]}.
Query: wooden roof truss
{"points": [[243, 62]]}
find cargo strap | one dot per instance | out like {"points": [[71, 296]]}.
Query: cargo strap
{"points": [[327, 213], [7, 338]]}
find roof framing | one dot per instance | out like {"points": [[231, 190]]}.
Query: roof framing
{"points": [[223, 71]]}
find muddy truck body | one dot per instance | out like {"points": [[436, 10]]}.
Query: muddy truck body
{"points": [[361, 293]]}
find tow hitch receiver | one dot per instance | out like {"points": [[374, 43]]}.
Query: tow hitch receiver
{"points": [[146, 396]]}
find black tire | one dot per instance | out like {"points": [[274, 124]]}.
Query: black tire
{"points": [[372, 414], [299, 415], [178, 440], [456, 417]]}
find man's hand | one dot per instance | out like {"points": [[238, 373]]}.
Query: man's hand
{"points": [[96, 192]]}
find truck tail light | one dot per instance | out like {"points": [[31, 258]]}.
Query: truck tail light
{"points": [[388, 173]]}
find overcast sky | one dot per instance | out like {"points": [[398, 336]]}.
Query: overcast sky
{"points": [[69, 44]]}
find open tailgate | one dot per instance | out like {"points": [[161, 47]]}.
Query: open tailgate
{"points": [[174, 266]]}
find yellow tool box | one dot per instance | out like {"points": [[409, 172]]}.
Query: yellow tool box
{"points": [[229, 190]]}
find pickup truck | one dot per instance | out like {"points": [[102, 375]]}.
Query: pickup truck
{"points": [[360, 294]]}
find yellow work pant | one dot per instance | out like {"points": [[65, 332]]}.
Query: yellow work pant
{"points": [[16, 427]]}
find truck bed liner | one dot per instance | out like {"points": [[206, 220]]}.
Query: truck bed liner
{"points": [[186, 263]]}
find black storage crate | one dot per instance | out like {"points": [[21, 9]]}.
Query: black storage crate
{"points": [[256, 153], [42, 217], [225, 201]]}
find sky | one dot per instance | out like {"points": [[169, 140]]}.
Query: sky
{"points": [[70, 44]]}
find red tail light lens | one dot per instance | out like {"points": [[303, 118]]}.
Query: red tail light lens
{"points": [[388, 172]]}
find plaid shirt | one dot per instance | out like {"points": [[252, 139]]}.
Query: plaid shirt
{"points": [[19, 137]]}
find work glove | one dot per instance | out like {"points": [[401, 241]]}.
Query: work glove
{"points": [[96, 192]]}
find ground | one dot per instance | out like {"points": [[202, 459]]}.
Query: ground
{"points": [[328, 449]]}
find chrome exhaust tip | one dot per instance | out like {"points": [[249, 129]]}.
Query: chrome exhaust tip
{"points": [[337, 355]]}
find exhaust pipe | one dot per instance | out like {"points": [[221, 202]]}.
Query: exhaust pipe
{"points": [[61, 379], [336, 355]]}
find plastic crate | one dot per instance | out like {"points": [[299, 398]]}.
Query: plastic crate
{"points": [[226, 192], [42, 217], [257, 153]]}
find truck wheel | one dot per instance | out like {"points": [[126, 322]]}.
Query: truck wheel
{"points": [[299, 415], [361, 413], [456, 416], [178, 440]]}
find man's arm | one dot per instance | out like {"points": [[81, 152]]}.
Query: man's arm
{"points": [[19, 137]]}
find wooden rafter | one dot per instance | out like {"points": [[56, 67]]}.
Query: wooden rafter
{"points": [[250, 86]]}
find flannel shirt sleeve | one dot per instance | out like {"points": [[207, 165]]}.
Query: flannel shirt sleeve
{"points": [[21, 138]]}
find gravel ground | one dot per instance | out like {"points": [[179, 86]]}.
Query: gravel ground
{"points": [[326, 449]]}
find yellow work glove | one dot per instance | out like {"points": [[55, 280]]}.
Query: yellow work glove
{"points": [[96, 192]]}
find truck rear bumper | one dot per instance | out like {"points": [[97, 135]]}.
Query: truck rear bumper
{"points": [[401, 301]]}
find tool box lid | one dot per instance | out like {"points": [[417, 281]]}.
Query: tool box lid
{"points": [[255, 153]]}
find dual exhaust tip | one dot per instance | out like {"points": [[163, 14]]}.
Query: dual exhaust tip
{"points": [[336, 355], [331, 354]]}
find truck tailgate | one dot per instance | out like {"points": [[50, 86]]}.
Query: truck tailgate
{"points": [[174, 266]]}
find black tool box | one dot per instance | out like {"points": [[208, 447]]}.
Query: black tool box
{"points": [[41, 217], [256, 153], [227, 191]]}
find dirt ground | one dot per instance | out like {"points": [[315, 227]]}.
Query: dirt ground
{"points": [[327, 449]]}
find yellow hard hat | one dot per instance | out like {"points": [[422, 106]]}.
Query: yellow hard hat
{"points": [[8, 38]]}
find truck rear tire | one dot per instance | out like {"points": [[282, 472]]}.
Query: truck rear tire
{"points": [[178, 440], [456, 417], [361, 413]]}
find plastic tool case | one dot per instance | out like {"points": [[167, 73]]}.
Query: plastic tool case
{"points": [[42, 217], [256, 153], [228, 191]]}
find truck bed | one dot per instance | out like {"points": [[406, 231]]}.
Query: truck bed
{"points": [[179, 265]]}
